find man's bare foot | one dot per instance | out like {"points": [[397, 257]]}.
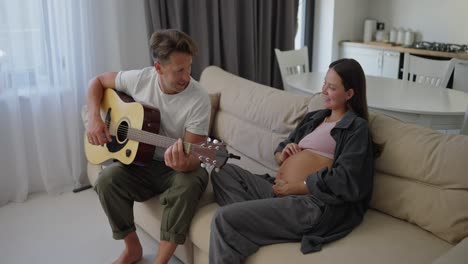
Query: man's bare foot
{"points": [[133, 251], [129, 257], [165, 252]]}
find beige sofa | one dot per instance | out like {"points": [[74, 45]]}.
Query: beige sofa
{"points": [[420, 204]]}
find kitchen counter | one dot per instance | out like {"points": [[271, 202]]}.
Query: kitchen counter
{"points": [[398, 48]]}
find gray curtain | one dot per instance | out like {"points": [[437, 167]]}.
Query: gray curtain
{"points": [[238, 35]]}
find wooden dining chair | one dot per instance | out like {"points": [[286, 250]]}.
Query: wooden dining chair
{"points": [[430, 72], [292, 62]]}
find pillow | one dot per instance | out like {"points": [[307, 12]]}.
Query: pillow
{"points": [[214, 99], [421, 177]]}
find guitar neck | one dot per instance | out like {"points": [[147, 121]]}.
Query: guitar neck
{"points": [[150, 138]]}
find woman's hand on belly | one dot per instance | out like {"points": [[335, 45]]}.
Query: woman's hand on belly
{"points": [[283, 188], [288, 151]]}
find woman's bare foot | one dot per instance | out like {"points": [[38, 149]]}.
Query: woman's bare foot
{"points": [[133, 251]]}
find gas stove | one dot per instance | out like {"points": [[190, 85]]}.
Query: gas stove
{"points": [[438, 46]]}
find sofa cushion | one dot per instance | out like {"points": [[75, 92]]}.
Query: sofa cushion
{"points": [[316, 102], [249, 164], [379, 239], [214, 99], [251, 112], [421, 177]]}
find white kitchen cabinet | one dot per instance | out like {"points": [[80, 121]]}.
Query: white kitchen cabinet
{"points": [[375, 62], [390, 64], [460, 76]]}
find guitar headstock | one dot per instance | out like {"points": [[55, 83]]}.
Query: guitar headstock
{"points": [[211, 153]]}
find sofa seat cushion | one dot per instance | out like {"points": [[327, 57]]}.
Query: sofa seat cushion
{"points": [[379, 239], [456, 255]]}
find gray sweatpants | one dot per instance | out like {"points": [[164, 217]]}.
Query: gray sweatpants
{"points": [[251, 216]]}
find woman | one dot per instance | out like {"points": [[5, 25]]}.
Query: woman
{"points": [[322, 188]]}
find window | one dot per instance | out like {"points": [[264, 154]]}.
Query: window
{"points": [[23, 38], [299, 38]]}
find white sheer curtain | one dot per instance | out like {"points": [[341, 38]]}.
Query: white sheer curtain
{"points": [[46, 60]]}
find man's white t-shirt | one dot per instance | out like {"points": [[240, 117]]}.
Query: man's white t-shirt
{"points": [[188, 110]]}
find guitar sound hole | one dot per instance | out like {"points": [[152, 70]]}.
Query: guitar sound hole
{"points": [[122, 131]]}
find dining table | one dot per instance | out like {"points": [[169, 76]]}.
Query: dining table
{"points": [[411, 102]]}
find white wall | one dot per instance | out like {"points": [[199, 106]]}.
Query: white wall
{"points": [[433, 20], [336, 20], [349, 16]]}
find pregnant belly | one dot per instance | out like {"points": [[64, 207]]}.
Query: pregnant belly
{"points": [[297, 167]]}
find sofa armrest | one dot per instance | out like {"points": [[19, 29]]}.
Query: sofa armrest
{"points": [[93, 171], [456, 255]]}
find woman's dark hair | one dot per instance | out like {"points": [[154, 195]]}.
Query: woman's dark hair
{"points": [[352, 76], [163, 43]]}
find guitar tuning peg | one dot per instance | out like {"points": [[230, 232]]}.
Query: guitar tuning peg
{"points": [[203, 165], [208, 139], [216, 141], [217, 169]]}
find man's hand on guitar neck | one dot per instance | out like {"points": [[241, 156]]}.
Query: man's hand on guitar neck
{"points": [[177, 159], [97, 132]]}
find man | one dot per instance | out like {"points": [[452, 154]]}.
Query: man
{"points": [[185, 110]]}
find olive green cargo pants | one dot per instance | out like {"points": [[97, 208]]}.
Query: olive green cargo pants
{"points": [[119, 186]]}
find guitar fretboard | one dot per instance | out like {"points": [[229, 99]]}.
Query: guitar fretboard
{"points": [[146, 137]]}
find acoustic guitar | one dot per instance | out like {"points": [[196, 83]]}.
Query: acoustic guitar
{"points": [[134, 131]]}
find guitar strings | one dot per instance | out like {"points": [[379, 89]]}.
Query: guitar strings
{"points": [[141, 134]]}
